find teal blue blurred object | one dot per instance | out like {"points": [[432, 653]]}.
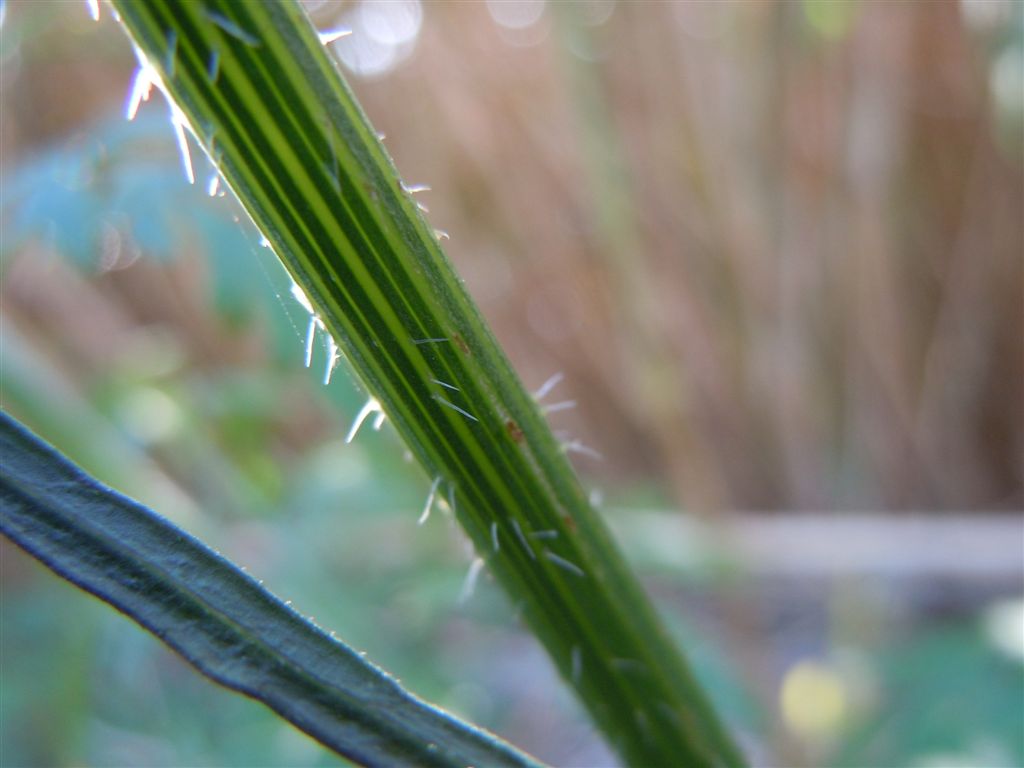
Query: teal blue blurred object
{"points": [[947, 697], [52, 197], [70, 192], [128, 176]]}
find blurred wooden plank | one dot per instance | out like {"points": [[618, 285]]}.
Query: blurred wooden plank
{"points": [[961, 546]]}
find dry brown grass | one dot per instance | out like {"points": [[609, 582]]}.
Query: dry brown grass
{"points": [[779, 271]]}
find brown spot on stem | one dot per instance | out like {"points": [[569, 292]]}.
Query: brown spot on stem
{"points": [[514, 431]]}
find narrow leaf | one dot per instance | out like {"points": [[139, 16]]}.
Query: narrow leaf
{"points": [[221, 620]]}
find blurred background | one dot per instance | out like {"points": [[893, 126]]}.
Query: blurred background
{"points": [[776, 249]]}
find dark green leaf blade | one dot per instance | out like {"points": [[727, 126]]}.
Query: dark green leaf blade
{"points": [[220, 619]]}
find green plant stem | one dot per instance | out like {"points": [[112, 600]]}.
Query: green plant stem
{"points": [[287, 135]]}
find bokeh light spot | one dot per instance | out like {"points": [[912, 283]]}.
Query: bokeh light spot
{"points": [[1004, 625], [813, 699], [516, 14], [383, 35]]}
